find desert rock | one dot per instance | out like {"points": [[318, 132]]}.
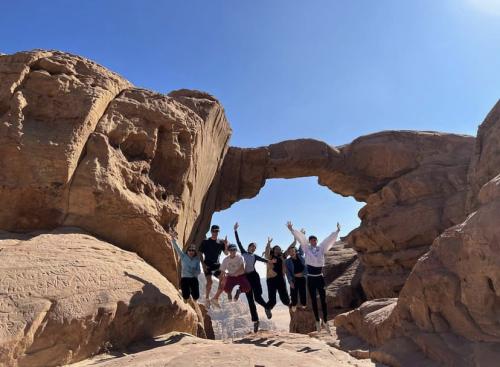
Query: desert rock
{"points": [[67, 295]]}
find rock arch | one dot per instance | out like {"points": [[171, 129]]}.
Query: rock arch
{"points": [[414, 185]]}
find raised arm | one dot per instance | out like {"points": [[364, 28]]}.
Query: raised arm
{"points": [[178, 249], [267, 253], [226, 243], [330, 240], [299, 236], [240, 246]]}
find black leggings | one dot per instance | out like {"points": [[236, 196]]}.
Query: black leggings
{"points": [[190, 287], [298, 290], [277, 284], [254, 280], [317, 284]]}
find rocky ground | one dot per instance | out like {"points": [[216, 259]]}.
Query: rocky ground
{"points": [[265, 348]]}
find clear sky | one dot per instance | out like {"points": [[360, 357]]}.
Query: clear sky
{"points": [[285, 69]]}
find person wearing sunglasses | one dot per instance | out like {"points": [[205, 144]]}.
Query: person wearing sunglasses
{"points": [[190, 269]]}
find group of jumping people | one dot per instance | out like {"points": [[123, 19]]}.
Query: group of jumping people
{"points": [[302, 266]]}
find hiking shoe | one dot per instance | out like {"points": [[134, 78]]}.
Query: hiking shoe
{"points": [[318, 326], [237, 294], [268, 313], [255, 326], [215, 302]]}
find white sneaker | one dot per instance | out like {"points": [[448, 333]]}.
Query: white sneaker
{"points": [[318, 326], [215, 302], [327, 328]]}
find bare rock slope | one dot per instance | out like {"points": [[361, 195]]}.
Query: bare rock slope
{"points": [[65, 295], [263, 349]]}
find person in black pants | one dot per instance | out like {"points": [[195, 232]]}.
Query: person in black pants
{"points": [[275, 275], [296, 272], [255, 294], [211, 249], [315, 261]]}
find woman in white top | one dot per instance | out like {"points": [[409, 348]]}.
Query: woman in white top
{"points": [[315, 260]]}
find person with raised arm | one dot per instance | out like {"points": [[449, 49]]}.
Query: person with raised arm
{"points": [[190, 269], [211, 249], [255, 293], [275, 275], [315, 260], [296, 272]]}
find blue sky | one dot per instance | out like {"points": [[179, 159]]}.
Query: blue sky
{"points": [[285, 69]]}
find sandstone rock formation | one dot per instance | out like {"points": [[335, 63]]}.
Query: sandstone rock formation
{"points": [[449, 306], [66, 295], [404, 177], [80, 146], [263, 349]]}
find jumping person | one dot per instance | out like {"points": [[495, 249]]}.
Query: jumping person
{"points": [[296, 272], [315, 260], [190, 269], [211, 249], [233, 272], [255, 293], [275, 275]]}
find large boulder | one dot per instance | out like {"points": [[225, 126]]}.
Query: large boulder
{"points": [[66, 295], [79, 146]]}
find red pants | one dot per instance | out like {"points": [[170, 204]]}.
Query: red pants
{"points": [[240, 280]]}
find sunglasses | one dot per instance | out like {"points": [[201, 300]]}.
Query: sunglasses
{"points": [[191, 249], [232, 250]]}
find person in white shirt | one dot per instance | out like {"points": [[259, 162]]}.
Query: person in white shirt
{"points": [[315, 260], [232, 274]]}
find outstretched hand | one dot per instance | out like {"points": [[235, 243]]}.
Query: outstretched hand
{"points": [[236, 225], [226, 242], [289, 225], [269, 240], [303, 231]]}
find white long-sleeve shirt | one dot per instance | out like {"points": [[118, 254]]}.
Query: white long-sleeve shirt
{"points": [[315, 256]]}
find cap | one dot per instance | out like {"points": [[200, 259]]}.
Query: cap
{"points": [[215, 227], [232, 246]]}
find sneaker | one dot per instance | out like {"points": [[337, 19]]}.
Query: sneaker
{"points": [[294, 308], [255, 326], [268, 313], [237, 294], [318, 326], [327, 328], [215, 302]]}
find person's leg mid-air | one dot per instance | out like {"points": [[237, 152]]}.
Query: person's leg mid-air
{"points": [[311, 286], [283, 292]]}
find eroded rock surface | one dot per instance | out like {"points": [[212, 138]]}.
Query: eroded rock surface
{"points": [[66, 295], [414, 184]]}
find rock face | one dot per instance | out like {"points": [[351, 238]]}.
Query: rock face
{"points": [[79, 146], [262, 349], [50, 102], [449, 306], [404, 177], [66, 295]]}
